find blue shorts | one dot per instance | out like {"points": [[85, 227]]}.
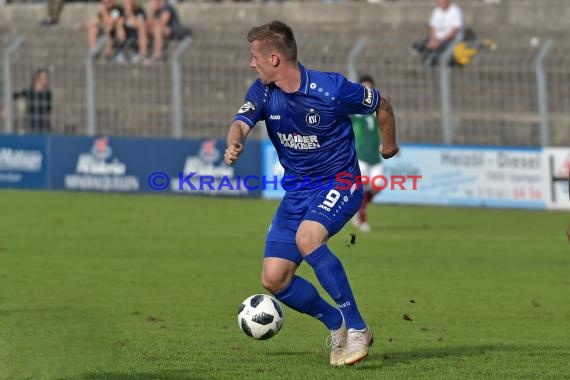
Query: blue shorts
{"points": [[332, 208]]}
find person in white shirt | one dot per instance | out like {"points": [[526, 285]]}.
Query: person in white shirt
{"points": [[445, 25]]}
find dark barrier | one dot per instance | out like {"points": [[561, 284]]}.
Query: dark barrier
{"points": [[23, 162], [127, 165], [151, 165]]}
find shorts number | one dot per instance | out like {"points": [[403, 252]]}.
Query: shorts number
{"points": [[331, 198]]}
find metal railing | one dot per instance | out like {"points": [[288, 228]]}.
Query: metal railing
{"points": [[514, 95], [90, 85], [8, 97]]}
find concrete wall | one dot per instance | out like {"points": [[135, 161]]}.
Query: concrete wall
{"points": [[541, 16]]}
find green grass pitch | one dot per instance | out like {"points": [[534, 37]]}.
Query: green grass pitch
{"points": [[110, 286]]}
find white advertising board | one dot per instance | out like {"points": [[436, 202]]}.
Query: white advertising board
{"points": [[469, 176], [558, 169]]}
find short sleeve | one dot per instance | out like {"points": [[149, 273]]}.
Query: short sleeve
{"points": [[456, 19], [252, 109], [355, 98], [432, 19]]}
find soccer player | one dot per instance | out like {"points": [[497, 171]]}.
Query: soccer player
{"points": [[307, 117], [367, 144]]}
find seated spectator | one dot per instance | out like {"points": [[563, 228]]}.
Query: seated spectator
{"points": [[38, 103], [135, 27], [445, 25], [110, 21], [164, 23]]}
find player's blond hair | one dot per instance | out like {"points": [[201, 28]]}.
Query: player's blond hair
{"points": [[275, 36]]}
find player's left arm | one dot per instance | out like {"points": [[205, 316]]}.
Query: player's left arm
{"points": [[354, 98], [387, 124]]}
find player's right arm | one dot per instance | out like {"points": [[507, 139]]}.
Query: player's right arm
{"points": [[247, 116], [236, 138]]}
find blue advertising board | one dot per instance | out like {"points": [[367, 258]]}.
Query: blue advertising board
{"points": [[117, 164], [271, 169], [23, 162], [446, 175]]}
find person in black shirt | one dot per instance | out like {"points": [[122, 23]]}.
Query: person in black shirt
{"points": [[164, 23], [38, 103]]}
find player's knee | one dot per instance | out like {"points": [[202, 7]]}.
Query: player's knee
{"points": [[307, 242], [274, 282]]}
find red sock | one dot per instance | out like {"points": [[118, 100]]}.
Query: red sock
{"points": [[368, 195]]}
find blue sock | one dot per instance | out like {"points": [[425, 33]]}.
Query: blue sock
{"points": [[331, 275], [303, 297]]}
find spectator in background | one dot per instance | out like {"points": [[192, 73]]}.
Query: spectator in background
{"points": [[367, 141], [38, 103], [445, 25], [54, 8], [110, 21], [163, 22], [135, 27]]}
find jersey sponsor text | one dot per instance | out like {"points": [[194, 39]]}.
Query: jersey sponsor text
{"points": [[299, 142]]}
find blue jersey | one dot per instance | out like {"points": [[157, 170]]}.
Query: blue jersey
{"points": [[311, 128]]}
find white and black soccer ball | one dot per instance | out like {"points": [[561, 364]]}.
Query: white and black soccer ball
{"points": [[260, 316]]}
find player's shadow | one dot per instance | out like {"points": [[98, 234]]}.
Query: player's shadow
{"points": [[388, 358], [424, 226], [289, 353], [158, 375]]}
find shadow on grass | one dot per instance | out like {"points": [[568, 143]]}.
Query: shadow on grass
{"points": [[289, 353], [378, 360], [158, 375], [424, 226]]}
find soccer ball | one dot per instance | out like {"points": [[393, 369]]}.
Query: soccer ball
{"points": [[260, 316]]}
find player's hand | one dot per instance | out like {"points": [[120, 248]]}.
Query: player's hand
{"points": [[390, 151], [232, 152]]}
